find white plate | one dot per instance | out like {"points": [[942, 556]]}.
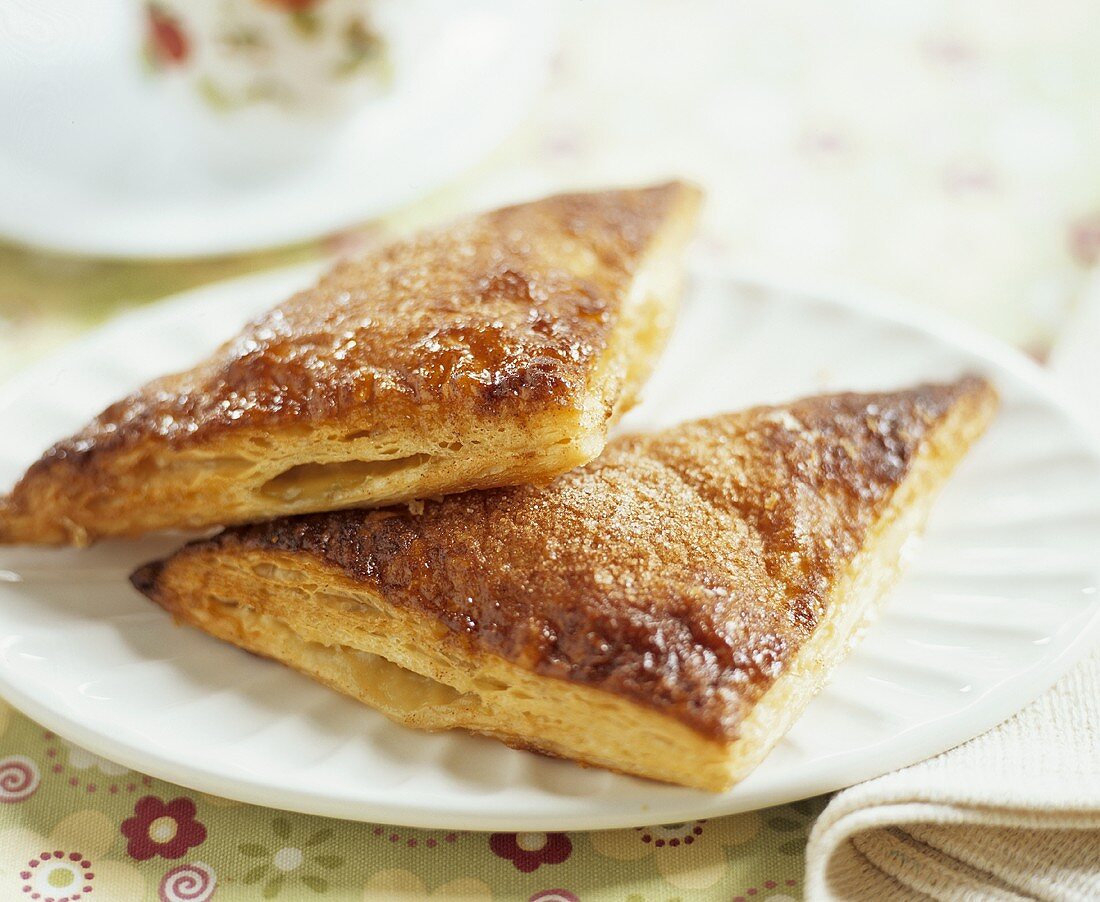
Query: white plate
{"points": [[999, 602], [93, 162]]}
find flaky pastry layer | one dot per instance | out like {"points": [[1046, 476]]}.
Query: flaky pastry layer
{"points": [[491, 352], [666, 611]]}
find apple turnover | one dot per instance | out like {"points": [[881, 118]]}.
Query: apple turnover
{"points": [[491, 352], [667, 610]]}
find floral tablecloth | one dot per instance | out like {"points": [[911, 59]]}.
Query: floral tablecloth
{"points": [[76, 827], [940, 151]]}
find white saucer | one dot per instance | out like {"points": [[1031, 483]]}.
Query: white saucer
{"points": [[1000, 600], [93, 162]]}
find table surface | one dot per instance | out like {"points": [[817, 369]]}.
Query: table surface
{"points": [[935, 151]]}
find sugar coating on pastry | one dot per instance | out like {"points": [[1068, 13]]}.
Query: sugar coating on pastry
{"points": [[493, 351], [667, 610]]}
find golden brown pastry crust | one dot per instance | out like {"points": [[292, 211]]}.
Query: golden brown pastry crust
{"points": [[527, 328], [683, 572]]}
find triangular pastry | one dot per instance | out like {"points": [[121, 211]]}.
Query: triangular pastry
{"points": [[667, 610], [491, 352]]}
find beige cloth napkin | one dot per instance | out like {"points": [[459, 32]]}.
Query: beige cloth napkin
{"points": [[1012, 814]]}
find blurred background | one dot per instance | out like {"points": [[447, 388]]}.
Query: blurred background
{"points": [[941, 153]]}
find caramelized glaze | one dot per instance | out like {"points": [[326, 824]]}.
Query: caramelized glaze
{"points": [[500, 313], [681, 570]]}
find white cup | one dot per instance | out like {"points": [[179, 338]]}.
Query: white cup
{"points": [[263, 83]]}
